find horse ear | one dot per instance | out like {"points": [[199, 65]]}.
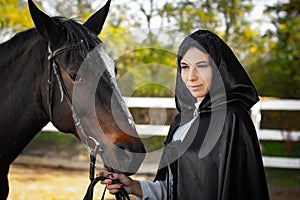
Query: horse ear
{"points": [[46, 26], [96, 21]]}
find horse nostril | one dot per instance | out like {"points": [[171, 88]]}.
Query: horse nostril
{"points": [[134, 147], [124, 146], [129, 158], [123, 153], [121, 147]]}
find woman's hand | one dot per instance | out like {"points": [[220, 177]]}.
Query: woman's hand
{"points": [[130, 185]]}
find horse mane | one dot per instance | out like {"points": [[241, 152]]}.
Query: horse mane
{"points": [[17, 45], [76, 34], [19, 38]]}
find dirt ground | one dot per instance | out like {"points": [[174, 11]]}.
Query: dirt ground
{"points": [[36, 183], [56, 172], [42, 183], [53, 173]]}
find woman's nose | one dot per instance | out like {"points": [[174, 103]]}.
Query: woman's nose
{"points": [[193, 73]]}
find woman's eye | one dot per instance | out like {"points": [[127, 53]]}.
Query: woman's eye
{"points": [[184, 67], [203, 65]]}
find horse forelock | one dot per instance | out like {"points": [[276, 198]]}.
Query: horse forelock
{"points": [[78, 34], [89, 44]]}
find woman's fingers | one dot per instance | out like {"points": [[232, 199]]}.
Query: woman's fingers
{"points": [[121, 177], [112, 185], [114, 182], [102, 174]]}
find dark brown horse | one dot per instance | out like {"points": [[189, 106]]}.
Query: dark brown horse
{"points": [[59, 72]]}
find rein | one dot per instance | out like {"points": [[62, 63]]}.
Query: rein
{"points": [[53, 70], [121, 195]]}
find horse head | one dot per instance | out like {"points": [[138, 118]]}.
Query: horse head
{"points": [[82, 96]]}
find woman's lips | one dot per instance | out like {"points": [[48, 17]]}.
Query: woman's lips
{"points": [[195, 87]]}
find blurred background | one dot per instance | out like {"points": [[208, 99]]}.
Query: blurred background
{"points": [[142, 37], [263, 33]]}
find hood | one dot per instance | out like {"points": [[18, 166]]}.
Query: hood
{"points": [[230, 81]]}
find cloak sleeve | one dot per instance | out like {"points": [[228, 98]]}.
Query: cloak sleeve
{"points": [[156, 190]]}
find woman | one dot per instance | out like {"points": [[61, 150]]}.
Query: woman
{"points": [[212, 151]]}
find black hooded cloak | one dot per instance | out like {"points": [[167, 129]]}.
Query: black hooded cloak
{"points": [[220, 156]]}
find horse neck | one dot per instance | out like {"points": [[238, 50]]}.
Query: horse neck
{"points": [[23, 77]]}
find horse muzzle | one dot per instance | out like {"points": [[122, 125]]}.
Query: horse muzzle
{"points": [[124, 160]]}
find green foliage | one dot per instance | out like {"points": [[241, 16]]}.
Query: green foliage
{"points": [[14, 15], [272, 60], [147, 72], [277, 72]]}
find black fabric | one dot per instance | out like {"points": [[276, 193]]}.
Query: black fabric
{"points": [[220, 156]]}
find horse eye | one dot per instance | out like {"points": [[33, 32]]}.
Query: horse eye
{"points": [[73, 76], [76, 78]]}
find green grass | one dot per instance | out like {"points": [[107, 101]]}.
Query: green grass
{"points": [[283, 177], [54, 138], [283, 149], [153, 143]]}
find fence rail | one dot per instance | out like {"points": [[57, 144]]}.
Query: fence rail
{"points": [[263, 134]]}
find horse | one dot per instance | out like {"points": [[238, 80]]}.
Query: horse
{"points": [[58, 71]]}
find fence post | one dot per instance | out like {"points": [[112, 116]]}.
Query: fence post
{"points": [[256, 116]]}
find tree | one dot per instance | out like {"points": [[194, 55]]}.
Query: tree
{"points": [[80, 9], [13, 17], [278, 73], [141, 32], [178, 18]]}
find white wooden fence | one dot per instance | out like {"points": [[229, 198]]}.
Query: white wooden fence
{"points": [[276, 135], [263, 134]]}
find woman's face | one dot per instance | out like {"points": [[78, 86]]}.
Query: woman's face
{"points": [[196, 72]]}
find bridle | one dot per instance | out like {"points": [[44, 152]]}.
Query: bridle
{"points": [[54, 72]]}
